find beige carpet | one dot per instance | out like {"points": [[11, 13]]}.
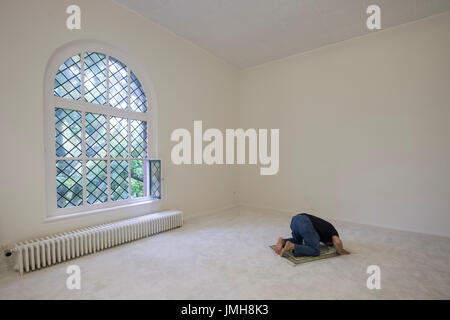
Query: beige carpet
{"points": [[226, 256]]}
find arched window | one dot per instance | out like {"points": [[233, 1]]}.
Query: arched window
{"points": [[99, 113]]}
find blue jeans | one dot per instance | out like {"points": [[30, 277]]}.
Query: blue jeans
{"points": [[304, 237]]}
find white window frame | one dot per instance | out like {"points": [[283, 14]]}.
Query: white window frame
{"points": [[51, 102]]}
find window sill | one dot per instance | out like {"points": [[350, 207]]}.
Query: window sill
{"points": [[91, 212]]}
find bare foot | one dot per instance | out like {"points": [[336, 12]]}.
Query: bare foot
{"points": [[279, 245], [287, 246], [343, 251]]}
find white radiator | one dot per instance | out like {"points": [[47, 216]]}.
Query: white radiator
{"points": [[43, 252]]}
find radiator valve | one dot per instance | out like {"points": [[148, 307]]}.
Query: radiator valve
{"points": [[7, 252]]}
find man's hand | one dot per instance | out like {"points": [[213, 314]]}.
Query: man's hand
{"points": [[337, 243], [343, 251]]}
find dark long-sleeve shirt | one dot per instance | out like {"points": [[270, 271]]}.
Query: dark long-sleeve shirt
{"points": [[325, 229]]}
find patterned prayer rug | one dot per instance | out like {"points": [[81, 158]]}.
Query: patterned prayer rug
{"points": [[325, 252]]}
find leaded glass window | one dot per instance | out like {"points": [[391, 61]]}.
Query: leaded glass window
{"points": [[155, 178], [101, 79], [69, 185], [119, 180], [96, 135], [95, 77], [118, 84], [68, 133], [68, 79], [101, 138], [118, 133], [138, 101], [96, 181], [138, 138]]}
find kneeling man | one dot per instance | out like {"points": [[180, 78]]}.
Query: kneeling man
{"points": [[307, 233]]}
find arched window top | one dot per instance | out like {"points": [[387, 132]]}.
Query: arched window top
{"points": [[100, 79]]}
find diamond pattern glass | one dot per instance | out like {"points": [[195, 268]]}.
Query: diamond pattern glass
{"points": [[118, 137], [95, 77], [96, 135], [138, 100], [96, 181], [67, 132], [83, 169], [69, 188], [68, 79], [119, 180], [155, 179], [118, 84], [138, 138]]}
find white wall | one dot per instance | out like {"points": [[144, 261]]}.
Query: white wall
{"points": [[364, 124], [364, 129], [190, 84]]}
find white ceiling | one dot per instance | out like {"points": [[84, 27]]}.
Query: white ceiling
{"points": [[250, 32]]}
